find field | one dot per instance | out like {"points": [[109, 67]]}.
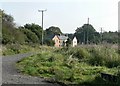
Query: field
{"points": [[79, 66]]}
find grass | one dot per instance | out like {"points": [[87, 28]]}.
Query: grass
{"points": [[80, 65], [17, 49]]}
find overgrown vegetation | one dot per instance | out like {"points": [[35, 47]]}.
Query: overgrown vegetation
{"points": [[81, 65], [17, 49]]}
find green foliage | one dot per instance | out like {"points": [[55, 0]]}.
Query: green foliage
{"points": [[12, 35], [104, 56], [71, 65], [86, 33], [35, 29], [53, 31], [110, 37], [81, 53], [7, 19], [9, 32], [11, 49], [30, 36]]}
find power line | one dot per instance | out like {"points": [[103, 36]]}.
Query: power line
{"points": [[42, 23]]}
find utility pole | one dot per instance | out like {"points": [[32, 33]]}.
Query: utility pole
{"points": [[42, 23], [88, 30], [88, 21], [84, 37], [101, 35]]}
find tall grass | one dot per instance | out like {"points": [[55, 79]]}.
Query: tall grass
{"points": [[80, 65], [17, 48], [94, 55]]}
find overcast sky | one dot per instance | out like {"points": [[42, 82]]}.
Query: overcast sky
{"points": [[68, 15]]}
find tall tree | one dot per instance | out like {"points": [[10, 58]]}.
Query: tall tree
{"points": [[86, 34], [30, 37], [9, 32], [53, 31], [35, 29]]}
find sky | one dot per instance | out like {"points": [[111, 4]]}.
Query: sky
{"points": [[65, 14]]}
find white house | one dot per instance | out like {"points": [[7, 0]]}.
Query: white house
{"points": [[74, 42]]}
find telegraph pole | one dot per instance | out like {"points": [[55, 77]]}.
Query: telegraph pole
{"points": [[42, 23], [101, 35], [84, 37], [88, 21], [88, 30]]}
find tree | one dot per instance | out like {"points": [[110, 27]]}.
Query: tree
{"points": [[35, 29], [7, 19], [53, 31], [10, 34], [86, 34], [110, 37], [30, 36]]}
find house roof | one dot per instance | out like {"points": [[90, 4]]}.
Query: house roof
{"points": [[49, 37], [62, 37]]}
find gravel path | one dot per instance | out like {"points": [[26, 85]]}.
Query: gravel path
{"points": [[10, 74]]}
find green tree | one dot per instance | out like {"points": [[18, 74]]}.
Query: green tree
{"points": [[87, 34], [53, 31], [10, 34], [35, 29], [7, 19], [30, 36], [110, 37]]}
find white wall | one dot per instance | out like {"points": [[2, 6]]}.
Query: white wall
{"points": [[74, 42]]}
